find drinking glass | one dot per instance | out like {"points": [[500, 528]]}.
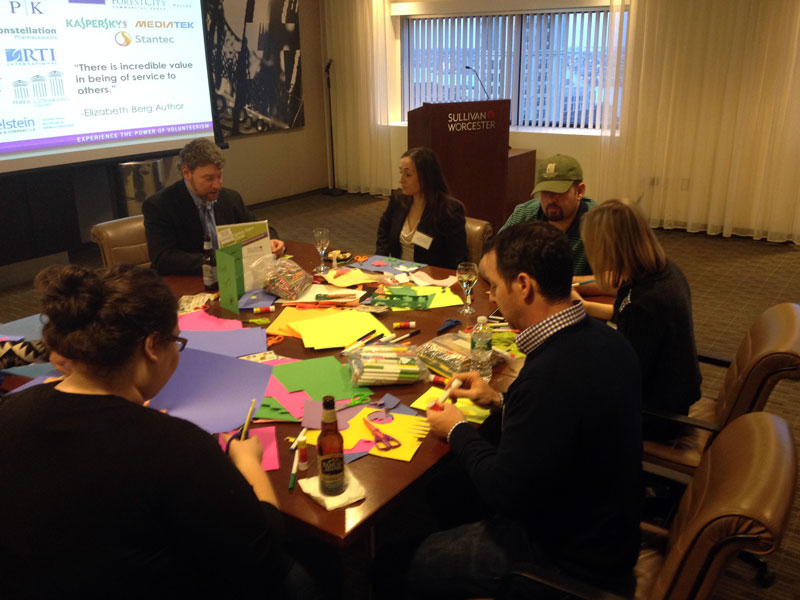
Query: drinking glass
{"points": [[467, 276], [322, 237]]}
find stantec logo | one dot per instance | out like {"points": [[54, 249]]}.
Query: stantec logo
{"points": [[123, 38], [29, 8], [30, 56]]}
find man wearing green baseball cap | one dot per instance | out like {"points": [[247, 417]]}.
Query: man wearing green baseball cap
{"points": [[559, 182]]}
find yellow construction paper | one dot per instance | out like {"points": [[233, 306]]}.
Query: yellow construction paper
{"points": [[282, 323], [442, 297], [352, 277], [472, 412], [338, 330]]}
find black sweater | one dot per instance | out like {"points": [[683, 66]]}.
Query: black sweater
{"points": [[568, 462]]}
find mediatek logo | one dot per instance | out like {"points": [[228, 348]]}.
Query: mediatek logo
{"points": [[471, 121], [30, 56]]}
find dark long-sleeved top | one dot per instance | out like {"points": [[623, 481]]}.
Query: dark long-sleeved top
{"points": [[175, 231], [655, 314], [568, 462], [449, 245], [102, 497]]}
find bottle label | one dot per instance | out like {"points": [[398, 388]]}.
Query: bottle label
{"points": [[481, 344], [209, 275], [331, 474]]}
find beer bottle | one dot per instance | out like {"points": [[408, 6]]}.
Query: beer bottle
{"points": [[209, 266], [330, 450]]}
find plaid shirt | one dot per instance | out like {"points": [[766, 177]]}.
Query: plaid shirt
{"points": [[535, 335]]}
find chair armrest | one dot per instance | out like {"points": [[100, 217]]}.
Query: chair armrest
{"points": [[519, 573], [715, 358], [678, 418], [666, 473]]}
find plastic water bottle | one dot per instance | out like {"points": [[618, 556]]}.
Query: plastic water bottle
{"points": [[482, 349]]}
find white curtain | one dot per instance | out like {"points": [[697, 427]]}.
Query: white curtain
{"points": [[358, 37], [708, 136]]}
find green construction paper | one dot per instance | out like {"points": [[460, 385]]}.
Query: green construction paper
{"points": [[319, 377], [409, 301], [230, 275], [272, 409], [401, 290]]}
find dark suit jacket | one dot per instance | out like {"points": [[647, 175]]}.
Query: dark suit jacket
{"points": [[449, 245], [175, 232]]}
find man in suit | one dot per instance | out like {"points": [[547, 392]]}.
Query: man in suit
{"points": [[178, 218]]}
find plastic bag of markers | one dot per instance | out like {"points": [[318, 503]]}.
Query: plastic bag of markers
{"points": [[449, 354], [286, 279], [386, 364]]}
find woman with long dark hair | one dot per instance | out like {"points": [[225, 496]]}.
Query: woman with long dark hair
{"points": [[105, 497], [423, 222]]}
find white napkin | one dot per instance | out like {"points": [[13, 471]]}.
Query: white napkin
{"points": [[422, 278], [353, 491]]}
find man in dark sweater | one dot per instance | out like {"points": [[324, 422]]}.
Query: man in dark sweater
{"points": [[562, 482], [180, 217]]}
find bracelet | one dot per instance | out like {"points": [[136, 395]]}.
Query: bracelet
{"points": [[449, 433]]}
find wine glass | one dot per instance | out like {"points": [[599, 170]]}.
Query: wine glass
{"points": [[322, 237], [467, 276]]}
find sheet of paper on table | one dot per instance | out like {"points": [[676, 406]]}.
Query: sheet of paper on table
{"points": [[338, 329], [282, 325], [200, 320], [211, 390], [270, 460], [235, 343], [472, 412]]}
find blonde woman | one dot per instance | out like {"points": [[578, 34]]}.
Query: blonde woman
{"points": [[653, 307]]}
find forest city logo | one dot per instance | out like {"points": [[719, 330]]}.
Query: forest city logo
{"points": [[19, 57], [471, 121], [122, 38]]}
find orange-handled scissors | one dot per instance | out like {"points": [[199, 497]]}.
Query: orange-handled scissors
{"points": [[383, 441], [360, 258], [273, 340]]}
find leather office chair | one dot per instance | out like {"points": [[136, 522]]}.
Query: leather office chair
{"points": [[478, 232], [769, 352], [122, 241], [739, 499]]}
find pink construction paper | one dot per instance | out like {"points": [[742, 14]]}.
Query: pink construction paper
{"points": [[291, 401], [266, 435], [379, 263], [312, 413], [200, 320]]}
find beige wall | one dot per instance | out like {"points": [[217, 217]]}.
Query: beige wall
{"points": [[285, 163]]}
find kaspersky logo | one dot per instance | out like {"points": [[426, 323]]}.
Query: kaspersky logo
{"points": [[123, 38], [30, 56]]}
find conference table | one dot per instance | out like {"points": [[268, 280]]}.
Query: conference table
{"points": [[383, 479]]}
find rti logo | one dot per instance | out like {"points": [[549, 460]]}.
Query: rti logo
{"points": [[30, 56], [27, 7]]}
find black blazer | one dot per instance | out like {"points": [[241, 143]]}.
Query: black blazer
{"points": [[449, 245], [175, 232]]}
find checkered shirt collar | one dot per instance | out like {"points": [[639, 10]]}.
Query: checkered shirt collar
{"points": [[535, 335]]}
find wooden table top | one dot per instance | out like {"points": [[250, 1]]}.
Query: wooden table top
{"points": [[383, 478]]}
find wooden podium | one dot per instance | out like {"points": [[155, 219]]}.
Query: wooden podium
{"points": [[471, 140]]}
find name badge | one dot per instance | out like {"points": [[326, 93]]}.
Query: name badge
{"points": [[420, 239]]}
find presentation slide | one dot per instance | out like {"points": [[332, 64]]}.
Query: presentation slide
{"points": [[84, 80]]}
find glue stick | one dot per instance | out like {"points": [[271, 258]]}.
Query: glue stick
{"points": [[260, 309], [404, 325], [302, 453], [438, 379]]}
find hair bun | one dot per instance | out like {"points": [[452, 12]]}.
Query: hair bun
{"points": [[71, 296]]}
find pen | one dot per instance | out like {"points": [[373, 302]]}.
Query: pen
{"points": [[293, 476], [388, 338], [246, 425], [362, 338], [406, 336], [297, 439], [362, 342], [583, 282], [372, 340]]}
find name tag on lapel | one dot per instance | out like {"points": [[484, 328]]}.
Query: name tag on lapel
{"points": [[420, 239]]}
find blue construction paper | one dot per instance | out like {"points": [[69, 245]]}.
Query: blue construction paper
{"points": [[36, 380], [256, 299], [211, 390], [29, 328], [32, 370], [402, 409], [351, 456], [389, 402], [235, 342], [11, 338], [368, 265]]}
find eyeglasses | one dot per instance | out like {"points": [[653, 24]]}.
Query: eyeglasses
{"points": [[180, 342]]}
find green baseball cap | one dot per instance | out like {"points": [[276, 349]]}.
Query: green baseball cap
{"points": [[556, 174]]}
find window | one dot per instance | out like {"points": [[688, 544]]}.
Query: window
{"points": [[552, 65]]}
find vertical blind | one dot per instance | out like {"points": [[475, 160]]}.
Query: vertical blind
{"points": [[551, 65]]}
